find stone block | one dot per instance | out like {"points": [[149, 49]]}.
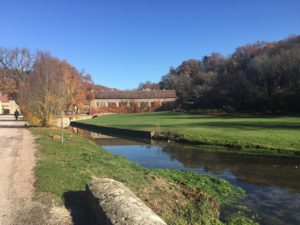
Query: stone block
{"points": [[114, 204]]}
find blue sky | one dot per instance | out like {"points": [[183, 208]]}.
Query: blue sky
{"points": [[124, 42]]}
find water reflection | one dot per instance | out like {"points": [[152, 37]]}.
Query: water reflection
{"points": [[272, 183], [250, 169]]}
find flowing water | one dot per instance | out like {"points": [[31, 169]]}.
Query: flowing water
{"points": [[272, 184]]}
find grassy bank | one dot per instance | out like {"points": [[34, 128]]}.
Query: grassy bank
{"points": [[250, 134], [180, 198]]}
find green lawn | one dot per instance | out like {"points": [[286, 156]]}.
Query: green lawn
{"points": [[242, 132], [180, 198]]}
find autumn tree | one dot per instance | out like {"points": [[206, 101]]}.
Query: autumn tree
{"points": [[76, 84], [260, 77], [43, 93], [149, 85]]}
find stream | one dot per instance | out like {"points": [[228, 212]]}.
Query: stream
{"points": [[272, 184]]}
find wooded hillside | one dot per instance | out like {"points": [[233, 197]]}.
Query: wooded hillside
{"points": [[259, 77]]}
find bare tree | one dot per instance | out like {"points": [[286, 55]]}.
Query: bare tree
{"points": [[15, 65]]}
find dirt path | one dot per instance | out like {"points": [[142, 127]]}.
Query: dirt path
{"points": [[16, 168]]}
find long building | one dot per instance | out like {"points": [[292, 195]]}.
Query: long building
{"points": [[145, 98]]}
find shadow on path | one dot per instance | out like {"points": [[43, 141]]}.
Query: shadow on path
{"points": [[13, 126], [76, 203], [10, 122], [2, 120]]}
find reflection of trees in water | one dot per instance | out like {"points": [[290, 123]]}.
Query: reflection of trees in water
{"points": [[275, 205], [263, 170]]}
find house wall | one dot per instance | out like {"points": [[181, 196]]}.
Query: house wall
{"points": [[103, 103], [13, 107], [10, 105]]}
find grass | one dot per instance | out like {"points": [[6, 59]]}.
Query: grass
{"points": [[180, 198], [259, 134], [213, 186]]}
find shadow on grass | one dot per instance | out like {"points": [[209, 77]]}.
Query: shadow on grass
{"points": [[76, 203], [246, 125], [221, 124]]}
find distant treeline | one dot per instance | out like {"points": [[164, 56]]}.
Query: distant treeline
{"points": [[260, 77]]}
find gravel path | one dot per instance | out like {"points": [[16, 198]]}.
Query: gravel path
{"points": [[16, 168]]}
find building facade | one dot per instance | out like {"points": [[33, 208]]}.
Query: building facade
{"points": [[139, 99], [7, 105]]}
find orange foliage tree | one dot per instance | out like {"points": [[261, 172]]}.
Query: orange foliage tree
{"points": [[53, 87]]}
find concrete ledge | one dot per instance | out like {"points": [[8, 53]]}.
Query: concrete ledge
{"points": [[112, 130], [114, 204]]}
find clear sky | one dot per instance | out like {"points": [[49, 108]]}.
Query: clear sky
{"points": [[123, 42]]}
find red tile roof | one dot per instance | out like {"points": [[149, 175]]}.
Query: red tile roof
{"points": [[4, 98]]}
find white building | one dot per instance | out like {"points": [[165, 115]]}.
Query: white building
{"points": [[7, 105]]}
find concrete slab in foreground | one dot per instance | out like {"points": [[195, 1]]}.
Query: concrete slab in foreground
{"points": [[114, 204]]}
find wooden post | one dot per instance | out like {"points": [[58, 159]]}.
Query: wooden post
{"points": [[62, 127]]}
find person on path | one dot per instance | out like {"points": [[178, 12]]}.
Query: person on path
{"points": [[17, 113]]}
